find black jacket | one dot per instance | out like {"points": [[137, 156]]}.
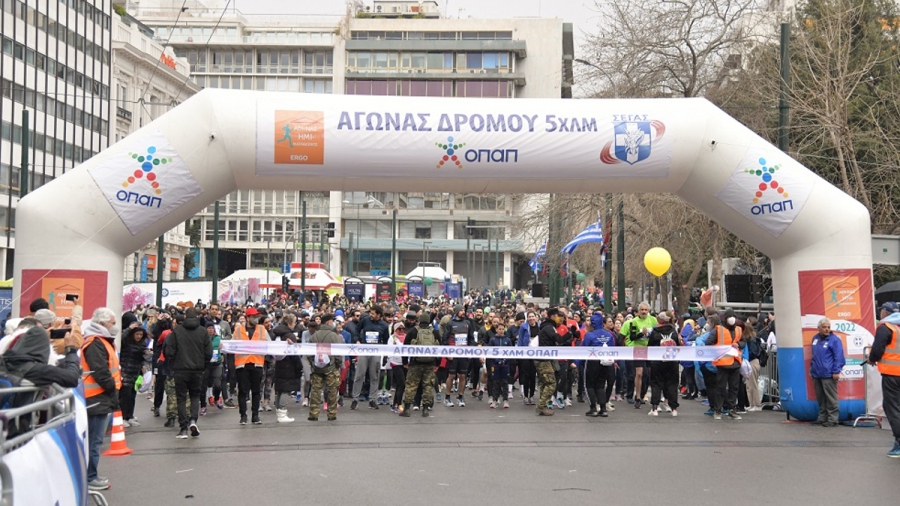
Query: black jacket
{"points": [[454, 327], [367, 325], [288, 369], [98, 362], [189, 348], [132, 356], [548, 336]]}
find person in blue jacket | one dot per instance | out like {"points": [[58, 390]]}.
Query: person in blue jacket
{"points": [[825, 369], [707, 369], [528, 331], [598, 373]]}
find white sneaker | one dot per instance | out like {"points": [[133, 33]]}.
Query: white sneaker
{"points": [[282, 416], [415, 408], [568, 402], [674, 412], [505, 404], [305, 402], [448, 403], [126, 423], [493, 405], [653, 412], [666, 407], [610, 407]]}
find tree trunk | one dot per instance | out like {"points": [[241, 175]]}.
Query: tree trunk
{"points": [[716, 241]]}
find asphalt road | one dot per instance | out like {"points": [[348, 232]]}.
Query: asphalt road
{"points": [[503, 457]]}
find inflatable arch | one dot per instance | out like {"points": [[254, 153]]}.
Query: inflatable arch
{"points": [[73, 233]]}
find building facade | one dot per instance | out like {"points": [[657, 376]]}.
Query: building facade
{"points": [[391, 49], [148, 80], [56, 64]]}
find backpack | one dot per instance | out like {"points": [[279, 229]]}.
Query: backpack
{"points": [[425, 337], [321, 362]]}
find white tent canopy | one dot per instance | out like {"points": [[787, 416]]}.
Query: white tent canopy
{"points": [[317, 278], [219, 141], [260, 274], [434, 272]]}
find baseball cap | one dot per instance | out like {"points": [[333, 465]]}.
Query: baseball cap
{"points": [[663, 317], [251, 311], [890, 307], [339, 318]]}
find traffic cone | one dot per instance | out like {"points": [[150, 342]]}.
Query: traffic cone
{"points": [[117, 444]]}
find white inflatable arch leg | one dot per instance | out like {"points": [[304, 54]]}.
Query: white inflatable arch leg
{"points": [[73, 233]]}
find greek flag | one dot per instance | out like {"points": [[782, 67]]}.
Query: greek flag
{"points": [[538, 258], [591, 233]]}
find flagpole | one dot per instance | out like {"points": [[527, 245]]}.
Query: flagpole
{"points": [[607, 267]]}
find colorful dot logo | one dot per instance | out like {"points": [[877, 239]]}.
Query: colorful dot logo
{"points": [[766, 174], [148, 162], [450, 149]]}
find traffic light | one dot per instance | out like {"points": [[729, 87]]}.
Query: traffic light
{"points": [[285, 284], [330, 228], [469, 224]]}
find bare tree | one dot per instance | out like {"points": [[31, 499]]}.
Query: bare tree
{"points": [[653, 48]]}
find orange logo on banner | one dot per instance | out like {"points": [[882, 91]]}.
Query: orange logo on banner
{"points": [[174, 264], [151, 262], [55, 290], [300, 137], [842, 301]]}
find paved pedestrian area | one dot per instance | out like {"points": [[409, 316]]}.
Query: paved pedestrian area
{"points": [[476, 455]]}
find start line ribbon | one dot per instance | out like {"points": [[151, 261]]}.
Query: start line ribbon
{"points": [[658, 353]]}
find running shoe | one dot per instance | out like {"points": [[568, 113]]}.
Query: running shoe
{"points": [[461, 401], [448, 403]]}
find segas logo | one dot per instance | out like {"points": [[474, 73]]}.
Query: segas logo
{"points": [[146, 164], [768, 186], [633, 138]]}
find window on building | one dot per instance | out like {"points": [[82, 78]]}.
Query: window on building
{"points": [[318, 86]]}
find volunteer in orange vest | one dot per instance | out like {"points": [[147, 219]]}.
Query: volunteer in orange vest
{"points": [[102, 381], [728, 377], [250, 367], [886, 353]]}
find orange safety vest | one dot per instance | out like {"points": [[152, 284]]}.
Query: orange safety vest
{"points": [[91, 387], [241, 335], [725, 339], [890, 361]]}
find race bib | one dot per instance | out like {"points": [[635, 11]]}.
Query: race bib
{"points": [[215, 356], [371, 337], [218, 330], [462, 339]]}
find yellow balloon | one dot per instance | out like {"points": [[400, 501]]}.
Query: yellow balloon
{"points": [[657, 261]]}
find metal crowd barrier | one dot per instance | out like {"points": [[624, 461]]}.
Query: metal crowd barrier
{"points": [[50, 407], [768, 383]]}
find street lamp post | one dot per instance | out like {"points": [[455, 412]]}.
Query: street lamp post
{"points": [[268, 263], [620, 246]]}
